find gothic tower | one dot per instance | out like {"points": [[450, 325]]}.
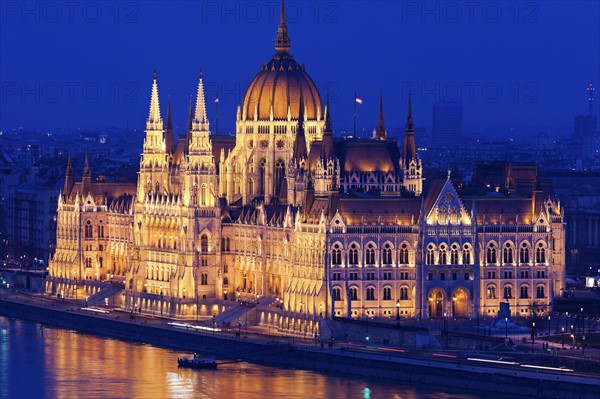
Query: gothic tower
{"points": [[412, 169]]}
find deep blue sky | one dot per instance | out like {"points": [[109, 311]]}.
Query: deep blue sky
{"points": [[540, 55]]}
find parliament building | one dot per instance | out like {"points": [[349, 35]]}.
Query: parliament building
{"points": [[322, 225]]}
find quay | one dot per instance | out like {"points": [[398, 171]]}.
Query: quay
{"points": [[438, 367]]}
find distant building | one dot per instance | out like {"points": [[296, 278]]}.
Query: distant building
{"points": [[447, 124], [31, 222], [587, 125]]}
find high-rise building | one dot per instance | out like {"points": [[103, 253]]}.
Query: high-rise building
{"points": [[327, 226], [587, 125], [447, 124]]}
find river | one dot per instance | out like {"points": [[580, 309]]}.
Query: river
{"points": [[38, 361]]}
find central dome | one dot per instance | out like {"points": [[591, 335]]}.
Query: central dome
{"points": [[280, 83]]}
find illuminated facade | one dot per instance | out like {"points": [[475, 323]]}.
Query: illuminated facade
{"points": [[344, 227]]}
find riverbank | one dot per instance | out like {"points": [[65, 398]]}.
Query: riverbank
{"points": [[276, 351]]}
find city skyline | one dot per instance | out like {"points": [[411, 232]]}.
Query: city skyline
{"points": [[505, 76]]}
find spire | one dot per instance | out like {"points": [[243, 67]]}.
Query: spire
{"points": [[69, 178], [86, 166], [169, 140], [200, 118], [409, 148], [300, 142], [86, 179], [69, 166], [154, 120], [282, 40], [189, 127], [380, 133], [327, 145]]}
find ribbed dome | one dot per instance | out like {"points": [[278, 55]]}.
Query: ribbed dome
{"points": [[280, 83]]}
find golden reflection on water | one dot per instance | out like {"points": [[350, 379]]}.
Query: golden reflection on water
{"points": [[78, 365]]}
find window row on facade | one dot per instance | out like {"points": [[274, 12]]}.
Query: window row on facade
{"points": [[371, 294]]}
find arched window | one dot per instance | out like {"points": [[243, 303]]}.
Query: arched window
{"points": [[100, 262], [491, 292], [204, 279], [387, 294], [225, 268], [466, 255], [443, 259], [454, 254], [89, 230], [508, 253], [370, 254], [337, 294], [370, 294], [279, 176], [524, 292], [354, 294], [88, 262], [387, 254], [261, 177], [101, 230], [491, 254], [540, 293], [203, 195], [507, 292], [204, 243], [157, 188], [353, 255], [524, 253], [430, 257], [225, 281], [336, 255], [403, 254], [251, 186], [404, 293], [540, 253]]}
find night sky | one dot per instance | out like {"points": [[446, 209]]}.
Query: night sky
{"points": [[89, 65]]}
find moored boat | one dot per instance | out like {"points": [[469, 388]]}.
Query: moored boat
{"points": [[197, 362]]}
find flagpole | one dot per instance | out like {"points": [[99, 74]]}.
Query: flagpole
{"points": [[217, 118], [354, 134]]}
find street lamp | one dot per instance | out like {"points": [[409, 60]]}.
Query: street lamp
{"points": [[398, 309], [573, 338], [563, 337], [321, 309], [548, 325], [446, 328], [532, 336], [506, 328], [161, 301]]}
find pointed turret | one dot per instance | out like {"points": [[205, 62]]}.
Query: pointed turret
{"points": [[300, 141], [409, 148], [69, 178], [154, 121], [86, 179], [282, 40], [327, 145], [188, 130], [169, 138], [380, 133], [200, 118]]}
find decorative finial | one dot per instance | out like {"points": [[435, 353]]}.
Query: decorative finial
{"points": [[449, 171], [154, 73], [200, 73], [282, 40]]}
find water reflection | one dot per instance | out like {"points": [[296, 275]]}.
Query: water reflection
{"points": [[45, 362]]}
